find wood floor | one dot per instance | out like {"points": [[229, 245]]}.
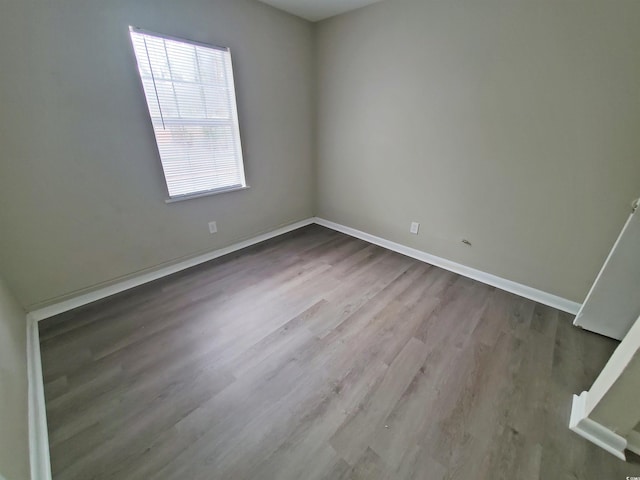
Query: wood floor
{"points": [[319, 356]]}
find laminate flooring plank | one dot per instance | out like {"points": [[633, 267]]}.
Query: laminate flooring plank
{"points": [[311, 435], [352, 438]]}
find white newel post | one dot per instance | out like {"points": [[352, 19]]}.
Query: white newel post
{"points": [[608, 413]]}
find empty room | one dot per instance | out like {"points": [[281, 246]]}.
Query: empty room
{"points": [[318, 240]]}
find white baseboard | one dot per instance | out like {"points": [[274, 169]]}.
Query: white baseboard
{"points": [[146, 277], [633, 442], [38, 435], [39, 459], [593, 431], [493, 280]]}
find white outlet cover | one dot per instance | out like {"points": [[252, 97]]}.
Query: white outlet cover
{"points": [[415, 228], [213, 227]]}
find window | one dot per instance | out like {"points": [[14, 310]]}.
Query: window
{"points": [[191, 98]]}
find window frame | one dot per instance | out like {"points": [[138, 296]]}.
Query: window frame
{"points": [[235, 118]]}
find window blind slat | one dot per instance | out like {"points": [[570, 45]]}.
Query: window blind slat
{"points": [[190, 94]]}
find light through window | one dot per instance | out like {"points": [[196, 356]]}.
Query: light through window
{"points": [[191, 98]]}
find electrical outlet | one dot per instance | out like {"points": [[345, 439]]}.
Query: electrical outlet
{"points": [[213, 227], [415, 227]]}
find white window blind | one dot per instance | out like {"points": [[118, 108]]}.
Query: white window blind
{"points": [[191, 98]]}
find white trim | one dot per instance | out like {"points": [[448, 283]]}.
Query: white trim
{"points": [[493, 280], [145, 277], [633, 442], [209, 193], [39, 461], [594, 431], [149, 276], [579, 321], [176, 39], [38, 435]]}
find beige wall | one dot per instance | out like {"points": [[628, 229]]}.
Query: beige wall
{"points": [[514, 124], [14, 454], [81, 188]]}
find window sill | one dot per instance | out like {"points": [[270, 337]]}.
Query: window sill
{"points": [[205, 194]]}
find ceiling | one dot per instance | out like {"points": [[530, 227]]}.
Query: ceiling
{"points": [[315, 10]]}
